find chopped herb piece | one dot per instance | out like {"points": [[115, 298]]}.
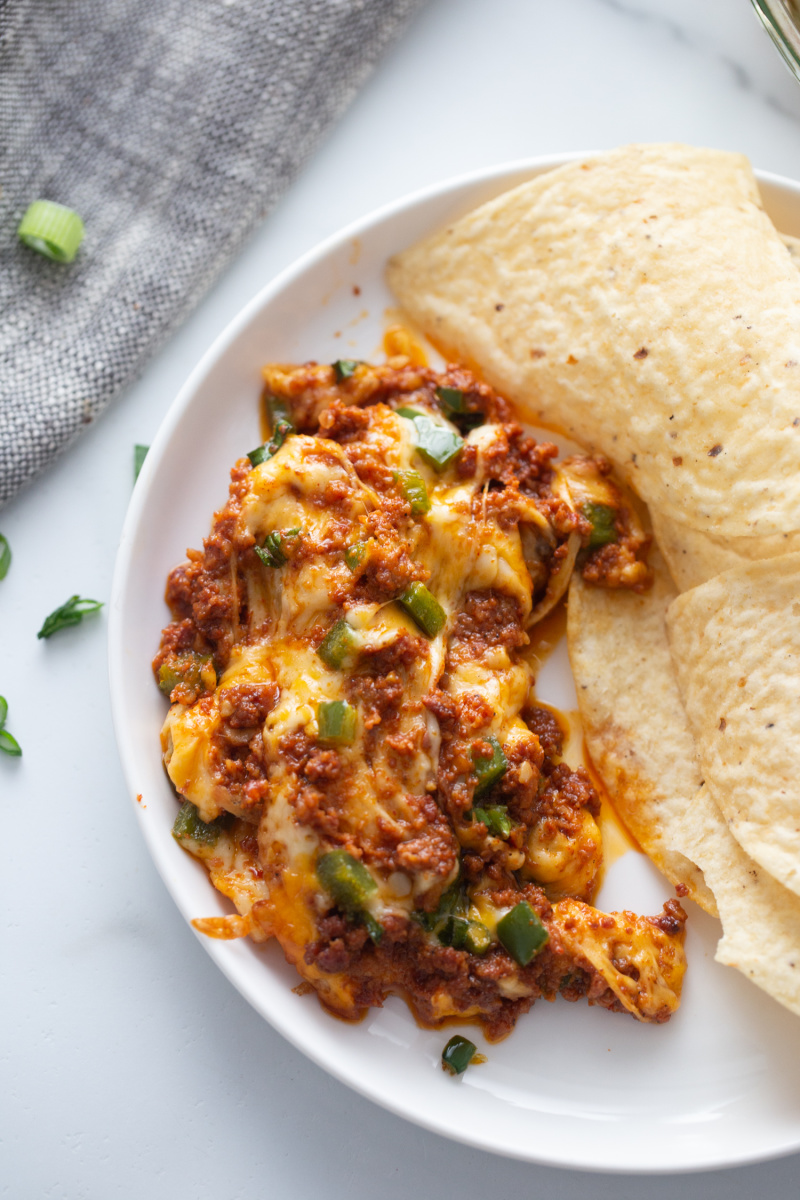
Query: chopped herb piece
{"points": [[52, 230], [344, 368], [338, 646], [5, 556], [272, 553], [354, 555], [346, 880], [423, 606], [71, 612], [139, 455], [279, 436], [602, 519], [458, 1054], [522, 933], [8, 744], [189, 828], [412, 485], [495, 818], [489, 767], [194, 672], [374, 928], [337, 723]]}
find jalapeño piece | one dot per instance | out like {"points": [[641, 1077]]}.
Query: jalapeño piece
{"points": [[477, 939], [458, 1054], [489, 768], [410, 414], [602, 518], [337, 723], [338, 645], [423, 606], [374, 928], [354, 555], [189, 828], [522, 933], [412, 485], [345, 367], [346, 880], [496, 819], [272, 553], [451, 399], [437, 444]]}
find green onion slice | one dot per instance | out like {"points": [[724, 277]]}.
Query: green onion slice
{"points": [[522, 933], [272, 553], [454, 408], [496, 819], [345, 367], [338, 646], [51, 229], [437, 444], [489, 768], [189, 828], [412, 485], [374, 928], [346, 880], [9, 745], [423, 606], [5, 556], [336, 720], [139, 455], [278, 411], [71, 612], [458, 1054], [603, 521], [354, 555]]}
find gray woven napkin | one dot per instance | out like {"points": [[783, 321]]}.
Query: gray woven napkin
{"points": [[172, 127]]}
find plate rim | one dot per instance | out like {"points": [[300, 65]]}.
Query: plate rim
{"points": [[116, 668]]}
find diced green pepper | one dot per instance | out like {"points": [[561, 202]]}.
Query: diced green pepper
{"points": [[189, 828], [346, 880], [496, 819], [412, 485], [338, 646], [522, 933], [194, 670], [337, 723], [344, 368], [423, 606], [354, 555], [603, 521], [458, 1054], [489, 768]]}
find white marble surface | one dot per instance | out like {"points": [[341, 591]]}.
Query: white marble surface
{"points": [[130, 1066]]}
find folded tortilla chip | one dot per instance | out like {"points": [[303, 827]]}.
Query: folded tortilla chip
{"points": [[736, 646], [642, 302], [633, 719], [760, 917], [694, 557]]}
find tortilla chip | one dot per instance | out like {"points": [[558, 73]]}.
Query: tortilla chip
{"points": [[643, 303], [760, 918], [633, 719], [736, 646], [694, 557]]}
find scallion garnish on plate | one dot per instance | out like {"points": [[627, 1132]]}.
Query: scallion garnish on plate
{"points": [[5, 556], [8, 744], [139, 455], [52, 230], [71, 612]]}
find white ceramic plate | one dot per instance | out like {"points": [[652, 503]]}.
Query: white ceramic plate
{"points": [[573, 1086]]}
